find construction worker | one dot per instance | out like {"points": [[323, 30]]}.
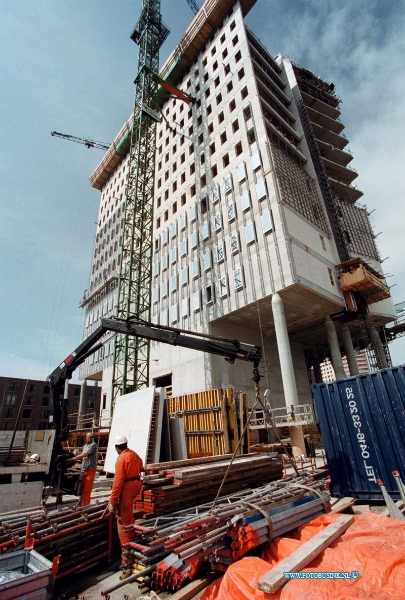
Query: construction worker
{"points": [[88, 456], [126, 486]]}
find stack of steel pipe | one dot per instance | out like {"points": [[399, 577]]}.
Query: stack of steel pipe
{"points": [[167, 489], [79, 535], [173, 548]]}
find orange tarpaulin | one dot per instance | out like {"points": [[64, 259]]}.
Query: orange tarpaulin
{"points": [[374, 546]]}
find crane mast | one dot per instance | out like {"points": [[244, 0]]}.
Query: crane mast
{"points": [[131, 360]]}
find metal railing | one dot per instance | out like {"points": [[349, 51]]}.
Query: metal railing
{"points": [[284, 417]]}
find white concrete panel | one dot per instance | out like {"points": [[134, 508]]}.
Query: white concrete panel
{"points": [[16, 496], [132, 418], [41, 442]]}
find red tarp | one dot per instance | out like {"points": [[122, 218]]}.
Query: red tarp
{"points": [[374, 546]]}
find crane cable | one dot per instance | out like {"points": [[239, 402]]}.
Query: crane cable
{"points": [[65, 263]]}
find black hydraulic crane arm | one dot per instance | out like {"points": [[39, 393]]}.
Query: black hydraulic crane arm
{"points": [[228, 348]]}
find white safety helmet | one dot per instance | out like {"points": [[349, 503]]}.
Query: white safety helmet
{"points": [[121, 439]]}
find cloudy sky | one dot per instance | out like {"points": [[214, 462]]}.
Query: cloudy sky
{"points": [[69, 66]]}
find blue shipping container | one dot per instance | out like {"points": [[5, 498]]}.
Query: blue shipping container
{"points": [[362, 423]]}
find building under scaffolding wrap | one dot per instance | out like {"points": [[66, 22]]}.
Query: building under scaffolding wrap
{"points": [[252, 222]]}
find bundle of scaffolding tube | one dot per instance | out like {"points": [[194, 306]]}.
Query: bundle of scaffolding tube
{"points": [[80, 536], [171, 550]]}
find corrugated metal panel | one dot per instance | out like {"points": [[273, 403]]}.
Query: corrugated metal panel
{"points": [[362, 422]]}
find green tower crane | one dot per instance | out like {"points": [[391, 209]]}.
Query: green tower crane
{"points": [[131, 359]]}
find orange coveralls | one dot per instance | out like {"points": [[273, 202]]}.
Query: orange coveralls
{"points": [[126, 486]]}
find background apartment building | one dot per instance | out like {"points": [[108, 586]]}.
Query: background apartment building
{"points": [[254, 207], [26, 404]]}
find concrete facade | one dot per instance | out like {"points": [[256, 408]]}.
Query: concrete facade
{"points": [[238, 217]]}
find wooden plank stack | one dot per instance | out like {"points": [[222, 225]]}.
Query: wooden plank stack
{"points": [[171, 486]]}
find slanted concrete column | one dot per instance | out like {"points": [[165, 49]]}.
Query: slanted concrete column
{"points": [[287, 372], [334, 348], [382, 361], [82, 404], [349, 351]]}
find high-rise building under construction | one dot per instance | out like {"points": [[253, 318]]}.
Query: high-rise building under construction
{"points": [[257, 230]]}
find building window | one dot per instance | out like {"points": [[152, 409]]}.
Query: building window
{"points": [[228, 185], [217, 222], [251, 136], [267, 223], [238, 149], [241, 172], [45, 400], [238, 278], [223, 288], [26, 413], [322, 242], [205, 231], [207, 261], [215, 194], [220, 252], [247, 113], [230, 211], [331, 278], [261, 189], [232, 106], [197, 301], [250, 233], [245, 201], [195, 269], [8, 413], [234, 242]]}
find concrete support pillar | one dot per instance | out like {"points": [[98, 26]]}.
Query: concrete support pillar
{"points": [[316, 365], [334, 347], [287, 372], [82, 404], [349, 351], [382, 361]]}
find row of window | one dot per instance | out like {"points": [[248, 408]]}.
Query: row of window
{"points": [[195, 303], [26, 413], [159, 266], [228, 186]]}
